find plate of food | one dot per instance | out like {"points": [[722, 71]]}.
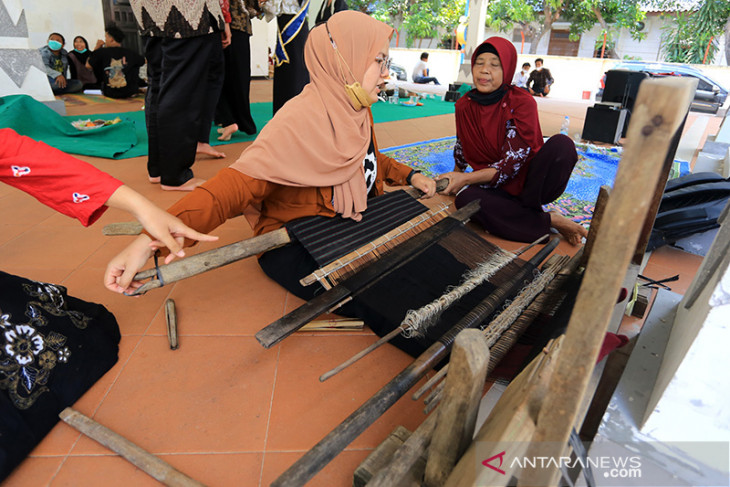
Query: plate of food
{"points": [[88, 124]]}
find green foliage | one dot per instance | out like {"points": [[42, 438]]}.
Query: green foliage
{"points": [[611, 15], [420, 19], [689, 36], [502, 15], [364, 6]]}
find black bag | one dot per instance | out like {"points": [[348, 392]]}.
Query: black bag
{"points": [[691, 204]]}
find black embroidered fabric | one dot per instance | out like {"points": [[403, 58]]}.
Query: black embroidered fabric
{"points": [[53, 348]]}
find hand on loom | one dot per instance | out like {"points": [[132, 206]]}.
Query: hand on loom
{"points": [[425, 184], [121, 269], [168, 230]]}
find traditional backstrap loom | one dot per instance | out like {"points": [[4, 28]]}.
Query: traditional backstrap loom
{"points": [[397, 214]]}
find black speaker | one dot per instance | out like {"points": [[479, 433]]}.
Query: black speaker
{"points": [[604, 124], [452, 96], [622, 86]]}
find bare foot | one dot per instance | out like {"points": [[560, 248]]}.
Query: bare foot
{"points": [[155, 180], [227, 131], [188, 185], [570, 230], [204, 148]]}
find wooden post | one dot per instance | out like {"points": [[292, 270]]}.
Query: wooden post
{"points": [[508, 428], [599, 209], [380, 457], [459, 406], [660, 110], [144, 460]]}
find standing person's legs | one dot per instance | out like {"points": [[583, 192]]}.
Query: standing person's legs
{"points": [[240, 73], [153, 53], [214, 73], [183, 83], [290, 78]]}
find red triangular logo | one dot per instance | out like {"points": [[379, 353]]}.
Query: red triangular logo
{"points": [[501, 459]]}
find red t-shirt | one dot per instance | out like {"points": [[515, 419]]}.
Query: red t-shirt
{"points": [[56, 179]]}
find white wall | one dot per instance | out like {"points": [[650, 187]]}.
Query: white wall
{"points": [[69, 18], [442, 63], [263, 38]]}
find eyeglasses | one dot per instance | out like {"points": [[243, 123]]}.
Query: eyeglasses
{"points": [[384, 64]]}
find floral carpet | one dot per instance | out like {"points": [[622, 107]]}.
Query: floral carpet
{"points": [[596, 167]]}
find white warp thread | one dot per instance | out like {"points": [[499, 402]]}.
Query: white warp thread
{"points": [[417, 321]]}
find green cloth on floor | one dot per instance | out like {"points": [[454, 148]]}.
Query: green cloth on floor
{"points": [[261, 113], [33, 119], [129, 137]]}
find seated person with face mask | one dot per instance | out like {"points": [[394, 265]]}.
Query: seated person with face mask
{"points": [[55, 61]]}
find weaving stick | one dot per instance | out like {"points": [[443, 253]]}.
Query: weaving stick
{"points": [[211, 259], [505, 319], [171, 320], [461, 290], [214, 258], [401, 255], [122, 228], [142, 459], [332, 444]]}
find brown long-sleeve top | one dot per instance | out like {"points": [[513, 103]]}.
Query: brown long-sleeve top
{"points": [[230, 192]]}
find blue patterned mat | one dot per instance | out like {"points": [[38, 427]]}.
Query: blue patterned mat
{"points": [[596, 166]]}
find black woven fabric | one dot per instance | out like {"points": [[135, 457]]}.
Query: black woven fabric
{"points": [[327, 239]]}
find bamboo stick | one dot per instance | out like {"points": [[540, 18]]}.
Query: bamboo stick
{"points": [[144, 460]]}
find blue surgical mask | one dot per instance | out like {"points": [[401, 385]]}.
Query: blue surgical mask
{"points": [[54, 45], [81, 51]]}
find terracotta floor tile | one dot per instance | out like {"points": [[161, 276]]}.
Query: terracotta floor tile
{"points": [[62, 437], [41, 274], [10, 231], [133, 314], [106, 470], [338, 473], [302, 360], [218, 470], [211, 395], [237, 299], [17, 208], [63, 248], [35, 472], [668, 261]]}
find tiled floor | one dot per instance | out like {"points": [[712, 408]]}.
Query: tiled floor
{"points": [[220, 408]]}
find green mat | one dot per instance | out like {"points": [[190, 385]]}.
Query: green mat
{"points": [[34, 119], [129, 138]]}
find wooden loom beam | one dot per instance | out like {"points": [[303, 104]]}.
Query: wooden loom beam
{"points": [[335, 441], [658, 115]]}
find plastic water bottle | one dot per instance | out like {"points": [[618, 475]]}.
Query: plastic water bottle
{"points": [[566, 125], [396, 95]]}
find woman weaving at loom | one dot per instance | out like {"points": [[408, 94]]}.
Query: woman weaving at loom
{"points": [[317, 156], [498, 134]]}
